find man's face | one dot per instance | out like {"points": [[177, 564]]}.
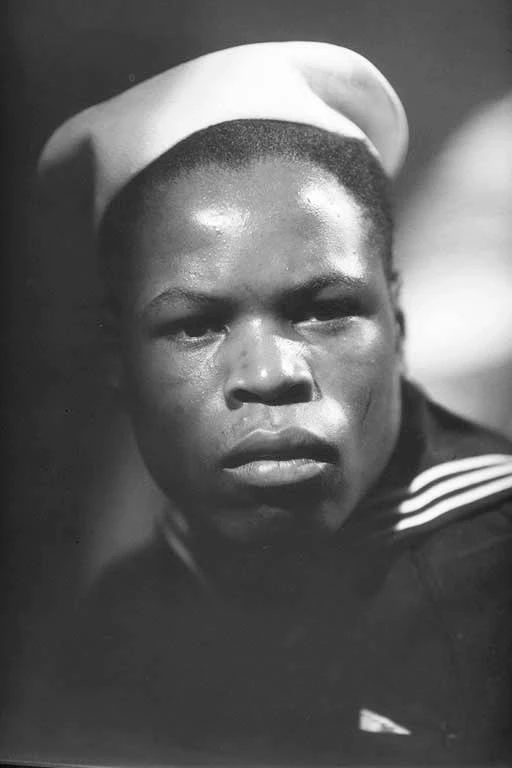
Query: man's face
{"points": [[261, 349]]}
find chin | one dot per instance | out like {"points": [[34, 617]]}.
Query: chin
{"points": [[277, 522], [258, 525]]}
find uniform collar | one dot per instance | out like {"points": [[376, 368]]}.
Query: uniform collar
{"points": [[443, 469]]}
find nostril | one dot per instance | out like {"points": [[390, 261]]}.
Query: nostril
{"points": [[285, 393], [245, 396], [298, 392]]}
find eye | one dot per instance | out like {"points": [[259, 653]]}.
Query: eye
{"points": [[197, 328], [326, 311], [191, 329]]}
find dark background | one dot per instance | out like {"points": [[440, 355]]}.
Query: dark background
{"points": [[444, 57]]}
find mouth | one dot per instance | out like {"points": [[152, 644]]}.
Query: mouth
{"points": [[287, 457]]}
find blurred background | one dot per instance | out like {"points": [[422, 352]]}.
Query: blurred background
{"points": [[76, 492]]}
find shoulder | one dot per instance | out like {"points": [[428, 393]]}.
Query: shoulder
{"points": [[471, 557], [463, 506], [115, 615], [463, 474], [466, 568], [122, 625], [456, 511], [140, 582]]}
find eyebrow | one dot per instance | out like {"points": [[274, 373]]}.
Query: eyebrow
{"points": [[327, 280], [176, 293], [209, 300]]}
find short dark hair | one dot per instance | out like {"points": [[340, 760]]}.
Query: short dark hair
{"points": [[237, 144]]}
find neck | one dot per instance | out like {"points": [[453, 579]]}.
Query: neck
{"points": [[277, 568]]}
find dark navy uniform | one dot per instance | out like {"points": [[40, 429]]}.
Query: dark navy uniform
{"points": [[388, 645]]}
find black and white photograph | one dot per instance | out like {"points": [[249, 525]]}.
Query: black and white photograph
{"points": [[258, 383]]}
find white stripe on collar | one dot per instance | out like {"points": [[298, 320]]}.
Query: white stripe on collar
{"points": [[456, 467], [455, 485]]}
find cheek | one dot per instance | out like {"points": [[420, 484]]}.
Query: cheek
{"points": [[359, 375], [362, 381], [359, 362], [375, 384], [170, 402]]}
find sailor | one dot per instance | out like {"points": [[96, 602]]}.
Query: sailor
{"points": [[331, 581]]}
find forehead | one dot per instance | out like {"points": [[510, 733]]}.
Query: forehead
{"points": [[273, 219], [298, 185]]}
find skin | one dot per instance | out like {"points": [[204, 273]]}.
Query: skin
{"points": [[223, 332]]}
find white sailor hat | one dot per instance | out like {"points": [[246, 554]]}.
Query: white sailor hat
{"points": [[313, 83]]}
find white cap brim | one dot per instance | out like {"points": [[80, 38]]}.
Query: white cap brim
{"points": [[313, 83]]}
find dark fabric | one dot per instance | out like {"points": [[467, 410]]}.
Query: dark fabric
{"points": [[161, 668]]}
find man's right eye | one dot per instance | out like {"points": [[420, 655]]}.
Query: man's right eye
{"points": [[198, 328], [193, 329]]}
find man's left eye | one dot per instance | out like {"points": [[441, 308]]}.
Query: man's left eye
{"points": [[326, 311]]}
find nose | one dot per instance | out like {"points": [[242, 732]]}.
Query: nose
{"points": [[266, 367]]}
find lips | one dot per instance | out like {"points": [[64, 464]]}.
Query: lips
{"points": [[274, 458]]}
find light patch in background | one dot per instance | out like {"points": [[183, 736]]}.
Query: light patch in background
{"points": [[454, 246], [464, 323]]}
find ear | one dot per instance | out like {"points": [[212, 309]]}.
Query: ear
{"points": [[395, 287]]}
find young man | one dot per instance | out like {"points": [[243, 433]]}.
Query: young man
{"points": [[330, 584]]}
